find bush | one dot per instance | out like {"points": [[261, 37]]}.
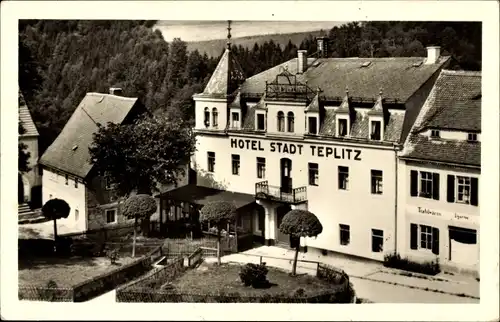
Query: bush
{"points": [[394, 260], [254, 275], [112, 254]]}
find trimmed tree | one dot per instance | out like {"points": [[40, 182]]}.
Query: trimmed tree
{"points": [[219, 213], [138, 207], [55, 209], [300, 223]]}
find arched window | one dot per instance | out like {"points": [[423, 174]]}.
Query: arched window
{"points": [[281, 122], [290, 120], [215, 115], [206, 117]]}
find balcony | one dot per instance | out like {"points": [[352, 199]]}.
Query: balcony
{"points": [[266, 192]]}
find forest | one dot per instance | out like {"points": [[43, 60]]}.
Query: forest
{"points": [[60, 61]]}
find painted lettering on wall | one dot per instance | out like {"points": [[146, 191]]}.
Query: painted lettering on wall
{"points": [[428, 212], [291, 148]]}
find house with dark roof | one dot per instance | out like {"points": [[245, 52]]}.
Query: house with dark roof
{"points": [[29, 182], [67, 171], [313, 133], [438, 179]]}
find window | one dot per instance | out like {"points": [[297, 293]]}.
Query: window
{"points": [[342, 127], [110, 216], [261, 168], [235, 120], [343, 178], [236, 164], [345, 234], [107, 182], [462, 189], [76, 183], [377, 240], [77, 214], [313, 174], [290, 120], [206, 120], [281, 122], [215, 117], [50, 196], [376, 130], [313, 128], [435, 134], [472, 137], [211, 161], [424, 237], [67, 180], [424, 184], [376, 182], [260, 122]]}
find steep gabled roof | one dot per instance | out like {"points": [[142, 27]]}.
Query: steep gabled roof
{"points": [[454, 104], [25, 117], [226, 78], [70, 150]]}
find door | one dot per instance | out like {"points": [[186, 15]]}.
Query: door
{"points": [[286, 176], [463, 246], [281, 212]]}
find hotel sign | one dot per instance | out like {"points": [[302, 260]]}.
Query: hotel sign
{"points": [[445, 215], [291, 148]]}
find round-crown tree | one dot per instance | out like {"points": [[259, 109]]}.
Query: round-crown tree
{"points": [[138, 207], [300, 223], [218, 213], [55, 209]]}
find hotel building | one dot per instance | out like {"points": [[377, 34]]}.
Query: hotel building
{"points": [[440, 165], [313, 133]]}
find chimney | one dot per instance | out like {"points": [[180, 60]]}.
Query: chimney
{"points": [[301, 61], [116, 91], [433, 53], [322, 44]]}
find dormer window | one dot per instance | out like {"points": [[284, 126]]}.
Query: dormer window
{"points": [[312, 125], [376, 130], [215, 117], [281, 122], [342, 127], [436, 134], [261, 122], [290, 121], [472, 137], [235, 120], [206, 120]]}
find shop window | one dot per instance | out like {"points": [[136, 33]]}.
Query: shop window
{"points": [[345, 235], [377, 240], [261, 168], [313, 174], [235, 160], [376, 178], [343, 178], [211, 161], [423, 237]]}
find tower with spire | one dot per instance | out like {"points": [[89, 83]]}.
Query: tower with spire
{"points": [[212, 105]]}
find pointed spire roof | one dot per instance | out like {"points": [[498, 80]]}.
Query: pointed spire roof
{"points": [[344, 107], [261, 105], [378, 108], [227, 76]]}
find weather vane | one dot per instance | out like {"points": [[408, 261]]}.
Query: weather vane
{"points": [[229, 29]]}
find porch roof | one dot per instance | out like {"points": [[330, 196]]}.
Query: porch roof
{"points": [[200, 195]]}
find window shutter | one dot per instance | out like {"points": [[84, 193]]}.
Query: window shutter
{"points": [[474, 191], [451, 189], [413, 183], [413, 236], [435, 241], [435, 186]]}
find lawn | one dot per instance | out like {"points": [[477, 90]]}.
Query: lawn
{"points": [[212, 278], [65, 272]]}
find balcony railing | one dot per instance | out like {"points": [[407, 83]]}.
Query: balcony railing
{"points": [[264, 191]]}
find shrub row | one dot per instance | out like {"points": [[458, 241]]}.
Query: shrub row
{"points": [[45, 293], [157, 277], [394, 260]]}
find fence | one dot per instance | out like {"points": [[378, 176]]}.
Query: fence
{"points": [[42, 293]]}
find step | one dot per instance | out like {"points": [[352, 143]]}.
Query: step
{"points": [[32, 220]]}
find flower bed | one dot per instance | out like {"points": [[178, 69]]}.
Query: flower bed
{"points": [[396, 261]]}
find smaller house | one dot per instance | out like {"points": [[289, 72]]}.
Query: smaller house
{"points": [[29, 182], [439, 173], [67, 171]]}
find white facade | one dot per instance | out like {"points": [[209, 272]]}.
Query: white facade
{"points": [[54, 185], [439, 212]]}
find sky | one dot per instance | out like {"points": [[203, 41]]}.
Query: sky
{"points": [[208, 30]]}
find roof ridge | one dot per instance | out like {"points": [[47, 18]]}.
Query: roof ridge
{"points": [[461, 72], [111, 95]]}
